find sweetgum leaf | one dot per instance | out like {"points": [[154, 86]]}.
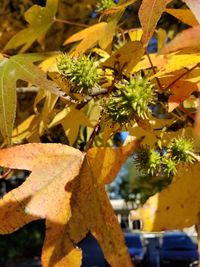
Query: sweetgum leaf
{"points": [[194, 6], [178, 205], [66, 187], [99, 34], [123, 56], [189, 38], [67, 117], [11, 70], [40, 20], [184, 15], [149, 13]]}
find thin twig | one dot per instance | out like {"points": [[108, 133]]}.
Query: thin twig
{"points": [[154, 71], [96, 130], [5, 174], [189, 114], [71, 23], [181, 76]]}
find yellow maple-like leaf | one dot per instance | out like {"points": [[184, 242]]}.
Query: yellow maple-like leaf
{"points": [[40, 20], [67, 188], [67, 117], [177, 206], [178, 61], [101, 33], [126, 57]]}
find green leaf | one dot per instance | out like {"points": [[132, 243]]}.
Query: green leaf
{"points": [[40, 20], [12, 69]]}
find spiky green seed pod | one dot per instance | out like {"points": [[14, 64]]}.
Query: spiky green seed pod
{"points": [[169, 166], [180, 149], [148, 161], [104, 4], [82, 72], [130, 100]]}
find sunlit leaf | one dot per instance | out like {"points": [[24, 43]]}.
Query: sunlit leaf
{"points": [[100, 33], [56, 172], [67, 117], [177, 206], [11, 70], [194, 6], [149, 13], [123, 58], [178, 61]]}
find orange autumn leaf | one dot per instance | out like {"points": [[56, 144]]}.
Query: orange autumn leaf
{"points": [[51, 192], [180, 89], [189, 38], [194, 6], [184, 15], [149, 13]]}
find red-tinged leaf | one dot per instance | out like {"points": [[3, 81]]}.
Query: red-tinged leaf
{"points": [[149, 14], [189, 38], [194, 5], [180, 90], [184, 15]]}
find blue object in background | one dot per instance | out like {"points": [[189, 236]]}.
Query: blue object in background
{"points": [[93, 256], [153, 45], [92, 253], [136, 249], [178, 247]]}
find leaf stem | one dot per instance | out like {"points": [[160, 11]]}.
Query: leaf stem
{"points": [[96, 130], [71, 23], [154, 71], [5, 174]]}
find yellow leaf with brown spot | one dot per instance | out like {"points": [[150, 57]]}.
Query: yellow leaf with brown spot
{"points": [[66, 187], [177, 206], [126, 58]]}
